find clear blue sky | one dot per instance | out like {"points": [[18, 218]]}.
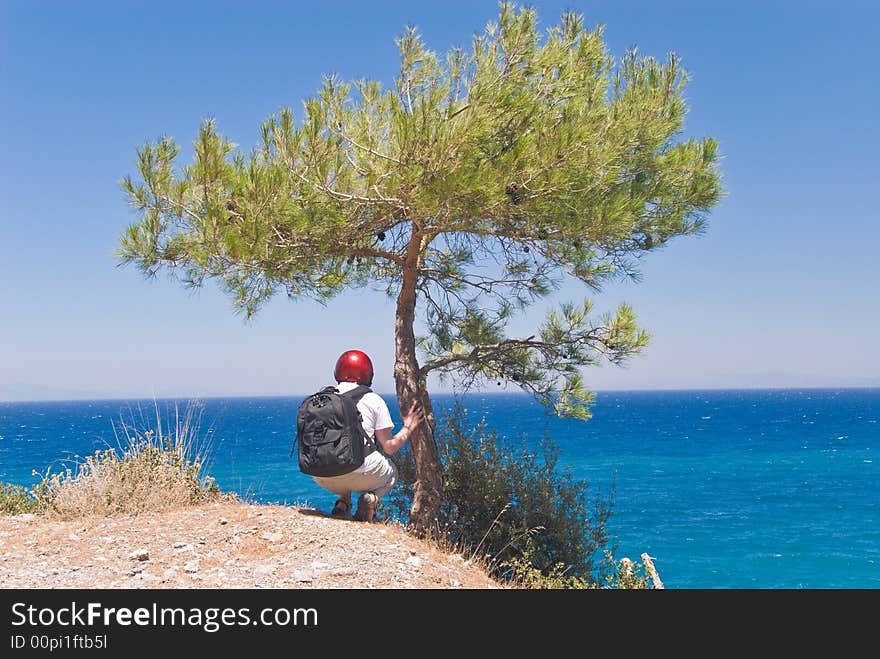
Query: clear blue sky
{"points": [[782, 290]]}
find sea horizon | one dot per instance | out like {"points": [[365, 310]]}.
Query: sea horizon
{"points": [[486, 392]]}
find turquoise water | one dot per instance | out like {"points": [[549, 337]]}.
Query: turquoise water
{"points": [[725, 489]]}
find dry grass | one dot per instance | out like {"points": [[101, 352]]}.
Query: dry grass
{"points": [[155, 466], [442, 544], [518, 573]]}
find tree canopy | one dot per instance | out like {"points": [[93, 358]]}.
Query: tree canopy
{"points": [[469, 190]]}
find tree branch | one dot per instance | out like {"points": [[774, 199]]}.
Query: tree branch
{"points": [[487, 351], [369, 150], [344, 196], [377, 253]]}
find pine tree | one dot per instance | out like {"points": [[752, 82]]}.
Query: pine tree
{"points": [[470, 190]]}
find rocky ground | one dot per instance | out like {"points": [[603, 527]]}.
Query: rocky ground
{"points": [[225, 545]]}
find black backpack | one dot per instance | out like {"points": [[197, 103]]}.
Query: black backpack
{"points": [[329, 436]]}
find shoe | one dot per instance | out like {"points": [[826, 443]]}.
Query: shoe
{"points": [[366, 509], [341, 509]]}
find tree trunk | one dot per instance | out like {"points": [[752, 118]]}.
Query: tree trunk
{"points": [[411, 386]]}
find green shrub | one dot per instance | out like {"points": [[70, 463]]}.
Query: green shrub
{"points": [[513, 506], [620, 575], [17, 500]]}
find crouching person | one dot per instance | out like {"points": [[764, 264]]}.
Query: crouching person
{"points": [[349, 455]]}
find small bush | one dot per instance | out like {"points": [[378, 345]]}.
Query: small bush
{"points": [[626, 574], [154, 468], [17, 500], [534, 523], [620, 575]]}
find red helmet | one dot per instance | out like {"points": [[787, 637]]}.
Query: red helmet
{"points": [[354, 366]]}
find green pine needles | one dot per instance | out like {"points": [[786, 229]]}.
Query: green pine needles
{"points": [[469, 191]]}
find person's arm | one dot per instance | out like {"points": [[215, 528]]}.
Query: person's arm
{"points": [[391, 444]]}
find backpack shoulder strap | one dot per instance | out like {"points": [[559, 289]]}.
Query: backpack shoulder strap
{"points": [[357, 393]]}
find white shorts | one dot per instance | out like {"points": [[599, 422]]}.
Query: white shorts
{"points": [[377, 475]]}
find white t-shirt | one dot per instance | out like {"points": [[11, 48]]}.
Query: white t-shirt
{"points": [[374, 411]]}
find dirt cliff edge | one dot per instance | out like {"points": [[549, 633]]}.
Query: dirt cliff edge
{"points": [[225, 545]]}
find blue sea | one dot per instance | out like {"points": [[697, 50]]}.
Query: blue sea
{"points": [[758, 489]]}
